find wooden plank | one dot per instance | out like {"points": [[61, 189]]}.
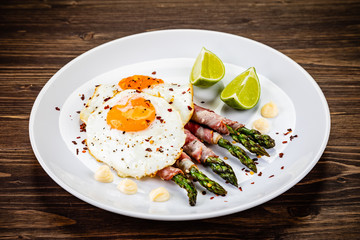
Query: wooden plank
{"points": [[39, 37]]}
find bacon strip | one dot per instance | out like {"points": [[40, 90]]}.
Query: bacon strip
{"points": [[213, 120], [185, 163], [168, 173], [202, 133], [196, 149]]}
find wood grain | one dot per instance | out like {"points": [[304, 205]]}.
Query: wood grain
{"points": [[39, 37]]}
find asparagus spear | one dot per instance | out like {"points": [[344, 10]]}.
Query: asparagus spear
{"points": [[206, 182], [185, 183], [222, 169], [198, 151], [247, 142], [212, 137], [185, 163], [264, 140], [239, 153]]}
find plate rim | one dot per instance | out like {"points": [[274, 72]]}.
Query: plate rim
{"points": [[181, 217]]}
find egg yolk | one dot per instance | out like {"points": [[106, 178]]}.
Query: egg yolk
{"points": [[136, 115], [139, 82]]}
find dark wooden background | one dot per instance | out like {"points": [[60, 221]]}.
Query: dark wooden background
{"points": [[38, 37]]}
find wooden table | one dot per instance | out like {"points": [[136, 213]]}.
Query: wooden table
{"points": [[39, 37]]}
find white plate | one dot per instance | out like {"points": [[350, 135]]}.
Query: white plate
{"points": [[171, 53]]}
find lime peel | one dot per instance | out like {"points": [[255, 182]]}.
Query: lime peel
{"points": [[207, 70], [243, 92]]}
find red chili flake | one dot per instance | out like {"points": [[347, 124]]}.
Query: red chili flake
{"points": [[271, 176], [97, 85], [78, 112], [284, 142], [247, 171], [190, 108], [170, 89], [77, 151], [225, 201], [83, 97], [83, 141], [78, 137], [277, 133], [75, 143], [83, 151], [240, 189], [85, 148], [107, 99], [260, 173], [171, 102], [148, 150], [153, 73], [57, 109], [252, 182], [106, 107], [282, 167], [211, 198], [288, 131], [83, 127], [242, 169], [160, 119], [170, 110], [138, 91], [281, 155], [183, 92], [292, 137]]}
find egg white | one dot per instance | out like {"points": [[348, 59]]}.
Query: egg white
{"points": [[136, 154], [179, 96]]}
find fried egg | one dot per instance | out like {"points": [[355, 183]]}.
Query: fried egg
{"points": [[135, 133], [179, 96]]}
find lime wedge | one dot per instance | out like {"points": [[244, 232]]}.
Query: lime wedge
{"points": [[208, 69], [243, 92]]}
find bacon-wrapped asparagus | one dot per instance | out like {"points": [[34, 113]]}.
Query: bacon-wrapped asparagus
{"points": [[176, 175], [221, 124], [213, 120], [212, 137], [188, 167], [198, 151]]}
